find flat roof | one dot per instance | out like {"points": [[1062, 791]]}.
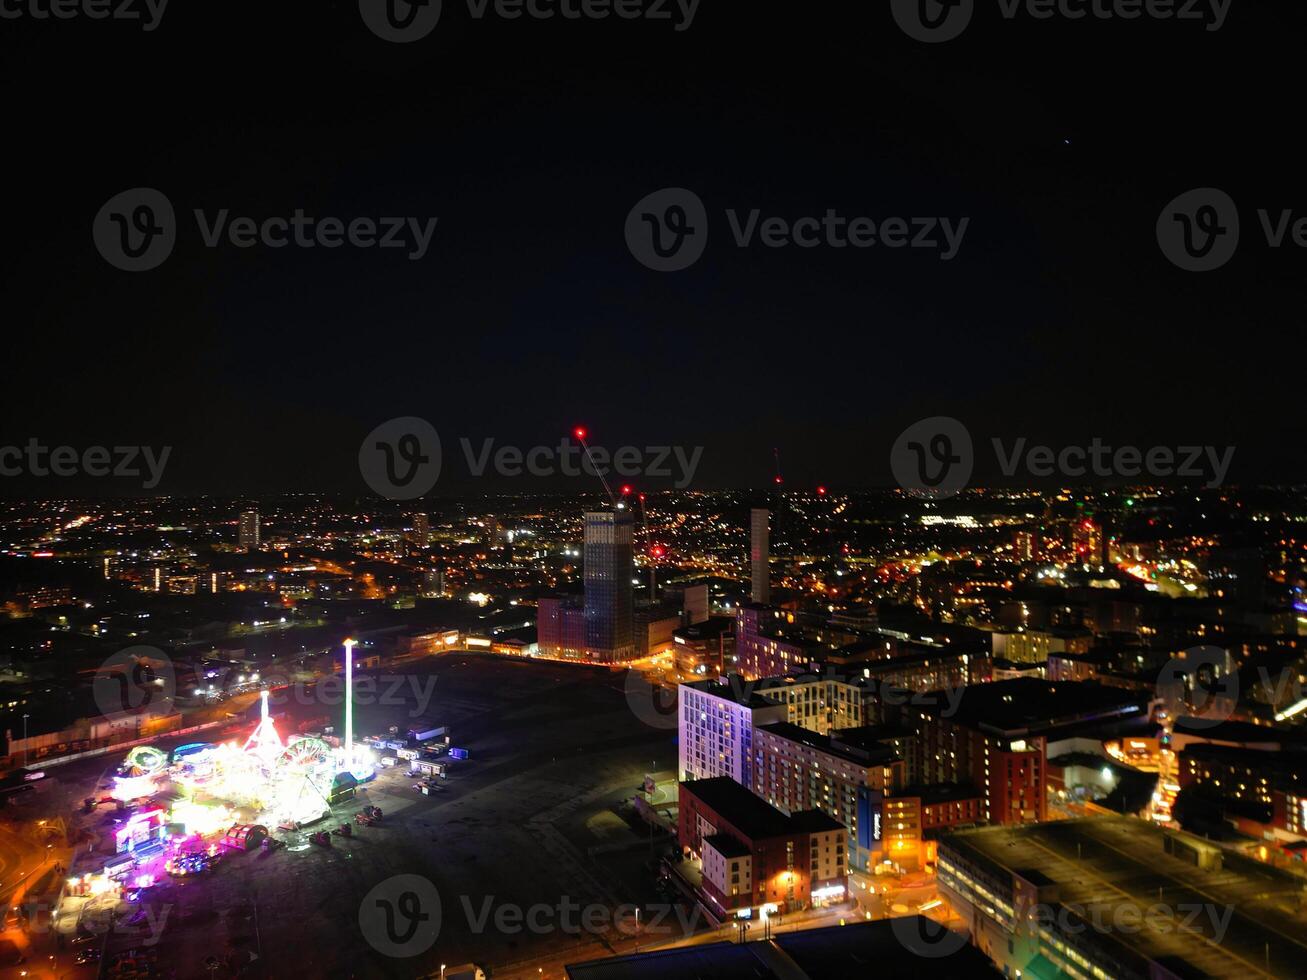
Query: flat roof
{"points": [[752, 815], [726, 845], [814, 822], [848, 745], [1100, 864], [1025, 704], [830, 953]]}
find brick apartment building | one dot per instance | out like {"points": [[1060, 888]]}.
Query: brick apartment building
{"points": [[751, 853]]}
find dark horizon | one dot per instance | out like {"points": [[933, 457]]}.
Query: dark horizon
{"points": [[1059, 318]]}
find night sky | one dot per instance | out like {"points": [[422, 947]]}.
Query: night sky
{"points": [[1059, 319]]}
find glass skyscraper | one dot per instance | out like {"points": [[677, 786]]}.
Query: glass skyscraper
{"points": [[609, 601]]}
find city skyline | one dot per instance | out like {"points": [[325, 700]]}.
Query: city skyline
{"points": [[642, 489]]}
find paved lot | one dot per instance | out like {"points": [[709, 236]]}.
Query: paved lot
{"points": [[552, 748]]}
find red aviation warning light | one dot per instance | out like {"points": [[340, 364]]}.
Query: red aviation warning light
{"points": [[658, 551], [626, 491], [821, 491], [580, 433]]}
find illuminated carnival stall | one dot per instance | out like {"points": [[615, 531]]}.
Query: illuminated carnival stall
{"points": [[267, 780]]}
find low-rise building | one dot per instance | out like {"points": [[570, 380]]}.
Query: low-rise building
{"points": [[752, 854]]}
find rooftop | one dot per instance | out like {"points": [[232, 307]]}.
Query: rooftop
{"points": [[751, 815], [1104, 863], [831, 953], [1026, 705], [848, 745]]}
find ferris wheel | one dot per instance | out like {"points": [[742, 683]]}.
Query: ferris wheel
{"points": [[303, 775]]}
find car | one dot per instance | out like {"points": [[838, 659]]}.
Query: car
{"points": [[91, 955]]}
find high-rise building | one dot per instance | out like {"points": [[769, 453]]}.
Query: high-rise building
{"points": [[421, 530], [716, 729], [795, 769], [249, 533], [759, 547], [609, 597]]}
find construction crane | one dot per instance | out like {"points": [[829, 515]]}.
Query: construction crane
{"points": [[580, 433]]}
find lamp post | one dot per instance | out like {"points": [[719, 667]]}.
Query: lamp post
{"points": [[349, 705], [25, 717]]}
